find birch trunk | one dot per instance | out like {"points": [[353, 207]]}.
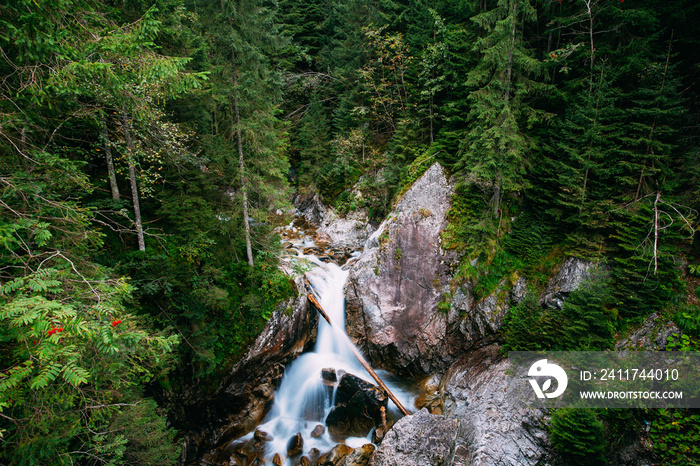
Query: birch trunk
{"points": [[134, 187]]}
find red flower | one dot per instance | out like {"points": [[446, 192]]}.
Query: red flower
{"points": [[116, 322]]}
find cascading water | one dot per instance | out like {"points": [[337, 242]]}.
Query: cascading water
{"points": [[303, 400]]}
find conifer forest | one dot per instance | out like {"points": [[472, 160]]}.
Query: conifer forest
{"points": [[150, 149]]}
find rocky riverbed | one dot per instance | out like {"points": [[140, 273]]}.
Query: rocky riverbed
{"points": [[469, 410]]}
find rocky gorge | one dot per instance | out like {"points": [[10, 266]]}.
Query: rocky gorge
{"points": [[406, 316]]}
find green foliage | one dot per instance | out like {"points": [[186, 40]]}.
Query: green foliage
{"points": [[578, 436], [148, 440], [675, 436], [524, 327], [586, 321], [688, 319]]}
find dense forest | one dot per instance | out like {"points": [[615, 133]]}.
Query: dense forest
{"points": [[149, 149]]}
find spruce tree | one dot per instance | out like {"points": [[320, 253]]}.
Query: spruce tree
{"points": [[494, 151]]}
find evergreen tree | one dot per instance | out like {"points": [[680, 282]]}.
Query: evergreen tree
{"points": [[245, 102], [494, 151]]}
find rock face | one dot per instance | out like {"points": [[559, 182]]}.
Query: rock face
{"points": [[419, 440], [570, 276], [350, 231], [498, 428], [395, 287], [357, 407], [480, 322], [651, 336]]}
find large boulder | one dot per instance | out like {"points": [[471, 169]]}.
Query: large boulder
{"points": [[358, 407], [311, 208], [498, 426], [395, 287], [419, 440], [351, 231]]}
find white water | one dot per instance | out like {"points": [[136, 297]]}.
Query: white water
{"points": [[303, 401]]}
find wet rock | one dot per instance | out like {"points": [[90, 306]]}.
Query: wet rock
{"points": [[497, 425], [570, 276], [262, 436], [329, 376], [395, 287], [432, 402], [253, 458], [652, 335], [277, 460], [295, 445], [314, 454], [304, 461], [359, 456], [419, 440], [333, 457], [357, 407], [318, 431]]}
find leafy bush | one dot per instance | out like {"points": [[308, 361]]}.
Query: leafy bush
{"points": [[675, 436]]}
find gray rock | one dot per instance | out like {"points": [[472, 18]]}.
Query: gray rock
{"points": [[482, 321], [570, 276], [418, 440], [311, 208], [351, 231], [652, 335], [498, 427], [395, 286]]}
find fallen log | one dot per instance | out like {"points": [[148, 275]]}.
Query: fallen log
{"points": [[361, 359]]}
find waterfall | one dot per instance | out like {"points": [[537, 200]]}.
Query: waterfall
{"points": [[303, 400]]}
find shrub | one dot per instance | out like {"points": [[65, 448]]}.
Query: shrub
{"points": [[577, 435]]}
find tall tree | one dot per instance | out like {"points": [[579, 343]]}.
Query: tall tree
{"points": [[494, 151], [245, 99]]}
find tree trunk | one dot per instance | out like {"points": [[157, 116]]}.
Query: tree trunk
{"points": [[656, 231], [590, 39], [132, 180], [110, 161], [241, 166], [497, 197]]}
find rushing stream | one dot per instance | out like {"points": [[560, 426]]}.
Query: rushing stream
{"points": [[303, 400]]}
